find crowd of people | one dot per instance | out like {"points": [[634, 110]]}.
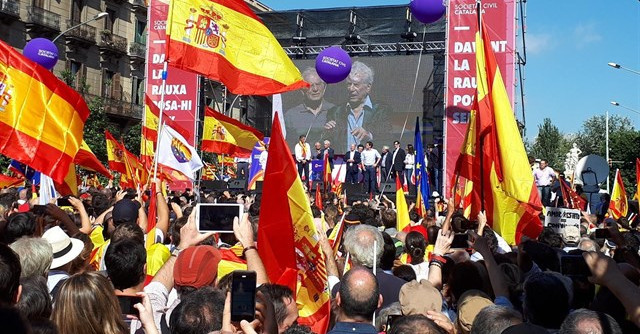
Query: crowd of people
{"points": [[68, 269]]}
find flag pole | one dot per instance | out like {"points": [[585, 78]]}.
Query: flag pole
{"points": [[481, 143], [160, 125]]}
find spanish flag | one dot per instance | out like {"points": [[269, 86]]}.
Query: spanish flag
{"points": [[403, 222], [122, 161], [618, 204], [501, 179], [115, 153], [10, 182], [287, 235], [41, 118], [225, 41], [86, 159], [225, 135], [150, 130]]}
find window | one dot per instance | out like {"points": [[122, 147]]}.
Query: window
{"points": [[137, 91], [141, 32], [107, 83], [110, 20], [76, 11]]}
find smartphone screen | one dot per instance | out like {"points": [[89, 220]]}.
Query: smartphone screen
{"points": [[63, 201], [217, 217], [460, 241], [243, 295], [574, 266], [127, 302], [602, 233]]}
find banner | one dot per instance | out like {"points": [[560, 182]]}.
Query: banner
{"points": [[499, 17], [258, 163], [181, 88], [565, 222]]}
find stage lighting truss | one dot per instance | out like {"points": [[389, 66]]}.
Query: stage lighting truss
{"points": [[378, 48]]}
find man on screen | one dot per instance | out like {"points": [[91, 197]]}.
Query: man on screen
{"points": [[310, 115], [359, 119]]}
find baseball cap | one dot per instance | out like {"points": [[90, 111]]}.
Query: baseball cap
{"points": [[419, 297], [197, 266], [125, 210]]}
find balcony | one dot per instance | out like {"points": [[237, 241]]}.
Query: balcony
{"points": [[84, 35], [9, 10], [42, 20], [111, 44], [139, 6], [137, 52], [124, 109]]}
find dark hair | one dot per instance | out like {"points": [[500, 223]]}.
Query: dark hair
{"points": [[572, 323], [174, 229], [415, 323], [277, 294], [388, 253], [432, 233], [464, 276], [35, 301], [125, 262], [546, 300], [494, 319], [198, 312], [551, 238], [20, 225], [9, 275], [129, 231], [415, 245], [356, 301], [100, 203], [370, 143], [302, 136], [298, 329], [315, 211], [12, 321], [388, 218], [414, 216], [405, 272]]}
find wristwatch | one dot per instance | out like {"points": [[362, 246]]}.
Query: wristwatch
{"points": [[176, 251]]}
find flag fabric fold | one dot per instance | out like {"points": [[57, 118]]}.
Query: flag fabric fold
{"points": [[150, 130], [86, 159], [225, 135], [403, 222], [570, 198], [638, 179], [175, 153], [225, 41], [41, 118], [10, 182], [618, 203], [287, 236], [420, 174]]}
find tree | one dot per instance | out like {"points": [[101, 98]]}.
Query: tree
{"points": [[550, 144], [592, 138]]}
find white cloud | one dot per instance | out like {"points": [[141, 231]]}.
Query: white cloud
{"points": [[585, 34], [537, 43]]}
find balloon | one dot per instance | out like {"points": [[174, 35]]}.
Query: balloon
{"points": [[42, 51], [333, 64], [427, 11]]}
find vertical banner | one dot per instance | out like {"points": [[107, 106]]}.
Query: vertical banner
{"points": [[462, 25], [259, 157], [181, 89]]}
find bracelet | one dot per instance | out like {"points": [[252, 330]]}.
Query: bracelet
{"points": [[248, 249], [438, 258], [436, 263], [176, 251]]}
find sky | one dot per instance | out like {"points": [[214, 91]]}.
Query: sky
{"points": [[569, 44]]}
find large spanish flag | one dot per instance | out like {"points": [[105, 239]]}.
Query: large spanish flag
{"points": [[115, 153], [225, 135], [225, 41], [493, 155], [86, 159], [41, 118], [287, 236], [618, 203]]}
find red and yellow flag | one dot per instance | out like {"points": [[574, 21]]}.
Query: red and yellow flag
{"points": [[327, 179], [225, 135], [225, 41], [133, 171], [618, 204], [502, 183], [86, 159], [115, 154], [403, 222], [287, 235], [150, 130], [41, 118], [570, 198], [637, 179], [10, 182]]}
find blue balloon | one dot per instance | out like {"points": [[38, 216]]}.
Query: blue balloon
{"points": [[42, 51], [333, 64], [427, 11]]}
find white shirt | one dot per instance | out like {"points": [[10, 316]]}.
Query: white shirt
{"points": [[409, 161], [543, 177], [263, 159], [298, 151], [369, 157]]}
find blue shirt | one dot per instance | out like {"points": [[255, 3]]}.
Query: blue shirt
{"points": [[353, 327], [353, 122]]}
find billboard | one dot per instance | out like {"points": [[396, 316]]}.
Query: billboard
{"points": [[499, 18], [371, 105], [181, 88]]}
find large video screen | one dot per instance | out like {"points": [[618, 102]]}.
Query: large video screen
{"points": [[372, 104]]}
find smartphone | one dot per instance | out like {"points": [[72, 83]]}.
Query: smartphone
{"points": [[574, 266], [127, 302], [460, 241], [391, 318], [39, 210], [214, 217], [243, 295], [131, 194], [602, 233], [63, 201]]}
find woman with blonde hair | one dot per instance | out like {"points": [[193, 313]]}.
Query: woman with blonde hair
{"points": [[86, 303]]}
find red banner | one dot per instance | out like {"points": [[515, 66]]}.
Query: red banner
{"points": [[181, 88], [499, 18]]}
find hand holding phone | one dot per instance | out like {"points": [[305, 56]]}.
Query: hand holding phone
{"points": [[127, 303], [574, 266], [243, 295], [460, 241], [217, 218], [602, 233], [63, 201]]}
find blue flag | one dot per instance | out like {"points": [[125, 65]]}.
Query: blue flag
{"points": [[25, 171], [422, 178]]}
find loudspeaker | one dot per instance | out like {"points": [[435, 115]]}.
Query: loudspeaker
{"points": [[213, 185], [388, 187], [258, 187], [237, 184], [352, 189]]}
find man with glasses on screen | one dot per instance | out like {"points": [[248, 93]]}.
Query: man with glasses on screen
{"points": [[311, 114], [359, 119]]}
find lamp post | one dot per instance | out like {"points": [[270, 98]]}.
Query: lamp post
{"points": [[97, 17], [618, 66], [625, 107]]}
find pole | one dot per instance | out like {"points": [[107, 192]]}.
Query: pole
{"points": [[160, 125], [606, 132], [98, 16]]}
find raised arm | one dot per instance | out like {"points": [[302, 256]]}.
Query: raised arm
{"points": [[244, 233]]}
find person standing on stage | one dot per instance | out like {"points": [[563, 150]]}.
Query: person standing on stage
{"points": [[327, 150], [353, 159], [409, 163], [370, 159], [242, 167], [360, 118], [303, 157], [397, 162], [385, 164], [544, 176]]}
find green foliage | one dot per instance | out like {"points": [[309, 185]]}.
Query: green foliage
{"points": [[550, 144], [592, 138]]}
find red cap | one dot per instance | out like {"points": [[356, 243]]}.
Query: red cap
{"points": [[197, 266]]}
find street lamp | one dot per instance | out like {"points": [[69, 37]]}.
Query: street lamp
{"points": [[625, 107], [618, 66], [97, 17]]}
